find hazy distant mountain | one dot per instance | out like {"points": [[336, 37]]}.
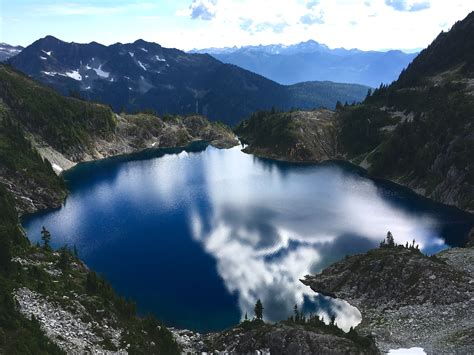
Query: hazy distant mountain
{"points": [[8, 51], [311, 60], [144, 75]]}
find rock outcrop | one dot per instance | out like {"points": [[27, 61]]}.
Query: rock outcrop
{"points": [[408, 299], [297, 136], [138, 132], [282, 339], [256, 337]]}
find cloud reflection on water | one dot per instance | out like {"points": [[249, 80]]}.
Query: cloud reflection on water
{"points": [[230, 223], [267, 232]]}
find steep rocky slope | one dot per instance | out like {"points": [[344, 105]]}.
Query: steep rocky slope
{"points": [[419, 131], [51, 303], [40, 124], [408, 299]]}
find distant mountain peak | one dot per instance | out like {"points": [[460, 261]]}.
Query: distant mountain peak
{"points": [[50, 39], [313, 61], [7, 51]]}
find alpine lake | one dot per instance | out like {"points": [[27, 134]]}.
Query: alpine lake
{"points": [[195, 236]]}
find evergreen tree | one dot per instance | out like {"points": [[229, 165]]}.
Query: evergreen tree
{"points": [[369, 93], [64, 258], [390, 240], [258, 310], [45, 237], [92, 283]]}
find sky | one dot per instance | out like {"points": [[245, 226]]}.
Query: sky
{"points": [[188, 24]]}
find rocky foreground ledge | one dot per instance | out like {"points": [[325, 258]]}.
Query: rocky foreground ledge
{"points": [[287, 337], [406, 298]]}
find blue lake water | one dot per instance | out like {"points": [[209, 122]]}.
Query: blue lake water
{"points": [[196, 236]]}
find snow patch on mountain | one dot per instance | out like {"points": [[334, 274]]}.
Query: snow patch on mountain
{"points": [[144, 49], [48, 53], [101, 73], [131, 54], [157, 57], [141, 64], [50, 73], [74, 75]]}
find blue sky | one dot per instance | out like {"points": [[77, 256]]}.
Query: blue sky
{"points": [[187, 24]]}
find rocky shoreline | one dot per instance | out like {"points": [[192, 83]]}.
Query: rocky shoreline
{"points": [[315, 136], [134, 133], [408, 299]]}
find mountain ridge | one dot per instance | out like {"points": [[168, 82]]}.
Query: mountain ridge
{"points": [[7, 51], [310, 60], [145, 75], [418, 131]]}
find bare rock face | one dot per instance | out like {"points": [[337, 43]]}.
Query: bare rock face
{"points": [[64, 328], [30, 195], [406, 298], [133, 133], [144, 131], [258, 337]]}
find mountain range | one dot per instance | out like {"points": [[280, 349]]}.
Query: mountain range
{"points": [[311, 60], [8, 51], [144, 75]]}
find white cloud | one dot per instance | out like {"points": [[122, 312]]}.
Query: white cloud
{"points": [[373, 24], [311, 3], [367, 24], [407, 5], [203, 9], [311, 19]]}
